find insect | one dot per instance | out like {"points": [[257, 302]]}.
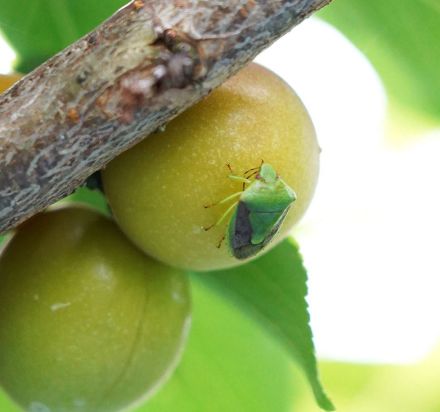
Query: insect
{"points": [[258, 213]]}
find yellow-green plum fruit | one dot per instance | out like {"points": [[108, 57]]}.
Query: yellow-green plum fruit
{"points": [[87, 321], [158, 189]]}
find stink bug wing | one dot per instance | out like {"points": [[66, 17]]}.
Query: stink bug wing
{"points": [[239, 230], [262, 223], [275, 228], [240, 233]]}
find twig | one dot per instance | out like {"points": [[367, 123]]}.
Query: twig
{"points": [[135, 72]]}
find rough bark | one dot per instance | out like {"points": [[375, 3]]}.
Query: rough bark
{"points": [[113, 87]]}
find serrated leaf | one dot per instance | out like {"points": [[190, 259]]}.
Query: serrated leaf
{"points": [[38, 29], [401, 38], [272, 290], [228, 365]]}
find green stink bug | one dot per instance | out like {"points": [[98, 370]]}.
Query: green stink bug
{"points": [[259, 211]]}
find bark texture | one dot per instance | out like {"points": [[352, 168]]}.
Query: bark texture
{"points": [[104, 93]]}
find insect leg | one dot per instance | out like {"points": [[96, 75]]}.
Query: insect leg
{"points": [[253, 173], [219, 244], [239, 179], [228, 210], [226, 199], [233, 176], [223, 217]]}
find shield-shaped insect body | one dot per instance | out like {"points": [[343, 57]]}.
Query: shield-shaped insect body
{"points": [[260, 211]]}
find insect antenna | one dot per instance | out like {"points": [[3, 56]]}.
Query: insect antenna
{"points": [[253, 172]]}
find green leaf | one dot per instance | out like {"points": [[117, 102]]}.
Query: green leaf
{"points": [[229, 364], [272, 290], [401, 38], [6, 405], [38, 29]]}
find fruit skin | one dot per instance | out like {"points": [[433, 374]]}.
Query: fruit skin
{"points": [[157, 189], [7, 80], [87, 322]]}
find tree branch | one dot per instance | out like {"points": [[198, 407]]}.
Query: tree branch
{"points": [[104, 93]]}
